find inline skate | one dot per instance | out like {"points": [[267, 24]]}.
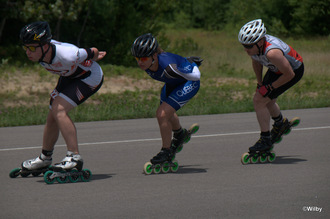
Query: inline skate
{"points": [[165, 161], [283, 129], [34, 166], [261, 152], [178, 141], [162, 162], [69, 169]]}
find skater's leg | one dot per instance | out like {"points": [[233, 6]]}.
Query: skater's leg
{"points": [[175, 122], [51, 133], [263, 115], [167, 121], [274, 109], [59, 111]]}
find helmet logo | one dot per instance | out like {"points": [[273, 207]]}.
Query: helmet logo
{"points": [[37, 37]]}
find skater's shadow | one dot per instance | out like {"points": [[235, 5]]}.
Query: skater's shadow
{"points": [[101, 176], [288, 160], [190, 169]]}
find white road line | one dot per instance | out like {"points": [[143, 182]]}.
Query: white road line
{"points": [[158, 139]]}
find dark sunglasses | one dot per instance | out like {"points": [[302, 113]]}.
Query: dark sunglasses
{"points": [[248, 46], [142, 59], [31, 48]]}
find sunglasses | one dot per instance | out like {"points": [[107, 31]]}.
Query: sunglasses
{"points": [[142, 59], [31, 48], [248, 46]]}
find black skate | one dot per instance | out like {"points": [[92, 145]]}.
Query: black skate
{"points": [[178, 141], [283, 129], [62, 173], [162, 162], [260, 152]]}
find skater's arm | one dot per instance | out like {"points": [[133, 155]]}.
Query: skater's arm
{"points": [[98, 55], [257, 67], [276, 57]]}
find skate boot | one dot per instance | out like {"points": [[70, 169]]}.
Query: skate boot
{"points": [[70, 168], [259, 152], [178, 140], [182, 138], [162, 162], [34, 166], [283, 128]]}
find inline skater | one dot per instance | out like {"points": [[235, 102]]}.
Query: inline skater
{"points": [[182, 81], [79, 78], [285, 69]]}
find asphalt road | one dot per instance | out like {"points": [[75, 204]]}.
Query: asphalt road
{"points": [[211, 181]]}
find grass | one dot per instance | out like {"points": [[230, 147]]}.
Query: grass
{"points": [[227, 83]]}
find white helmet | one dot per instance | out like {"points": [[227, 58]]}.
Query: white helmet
{"points": [[252, 32]]}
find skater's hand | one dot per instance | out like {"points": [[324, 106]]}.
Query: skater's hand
{"points": [[265, 90], [100, 56]]}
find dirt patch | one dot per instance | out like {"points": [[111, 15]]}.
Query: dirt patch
{"points": [[20, 87]]}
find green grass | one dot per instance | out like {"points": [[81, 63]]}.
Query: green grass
{"points": [[227, 83]]}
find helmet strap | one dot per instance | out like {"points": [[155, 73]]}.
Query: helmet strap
{"points": [[43, 53], [153, 61]]}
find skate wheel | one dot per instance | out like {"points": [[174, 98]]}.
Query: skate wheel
{"points": [[245, 158], [147, 169], [166, 167], [86, 175], [279, 140], [254, 159], [74, 177], [175, 167], [194, 128], [47, 178], [295, 121], [157, 168], [14, 173], [263, 158], [271, 157], [187, 139], [287, 131], [62, 179], [179, 149]]}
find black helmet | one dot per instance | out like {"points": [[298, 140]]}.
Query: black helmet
{"points": [[144, 46], [37, 32]]}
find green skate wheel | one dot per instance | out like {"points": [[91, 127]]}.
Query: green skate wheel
{"points": [[279, 140], [166, 167], [147, 169], [179, 149], [74, 177], [254, 159], [287, 131], [271, 157], [157, 168], [263, 158], [62, 179], [295, 121], [14, 173], [175, 167], [194, 128], [47, 178], [245, 158], [187, 139], [87, 175]]}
